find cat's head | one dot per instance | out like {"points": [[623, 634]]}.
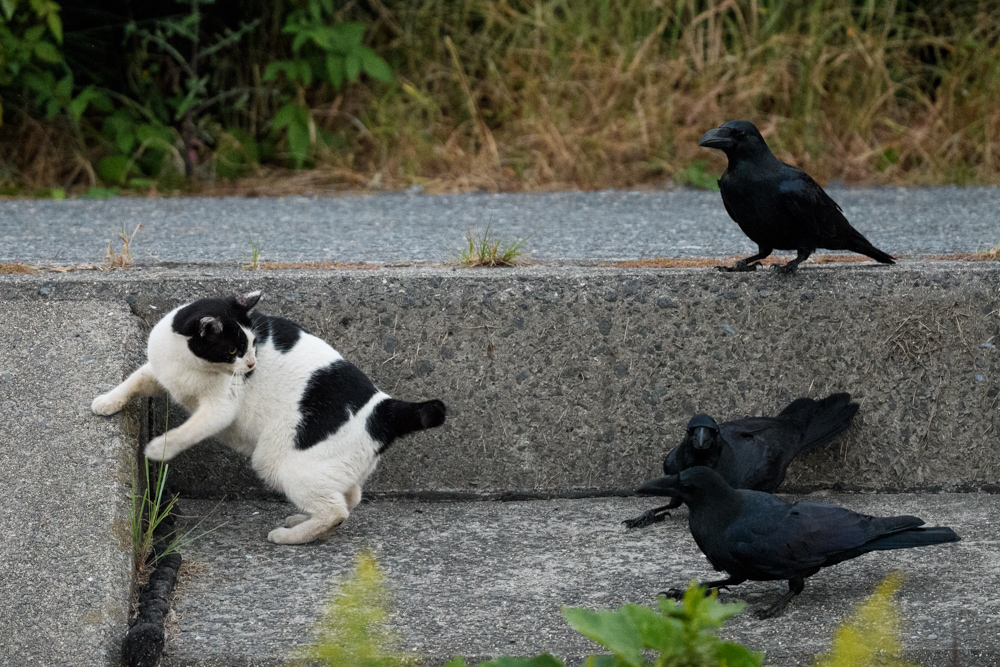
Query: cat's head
{"points": [[219, 331]]}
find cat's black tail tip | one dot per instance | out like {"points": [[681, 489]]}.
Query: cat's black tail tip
{"points": [[432, 413]]}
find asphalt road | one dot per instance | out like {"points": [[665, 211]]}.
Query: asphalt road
{"points": [[404, 227]]}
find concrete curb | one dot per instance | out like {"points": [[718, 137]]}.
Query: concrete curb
{"points": [[65, 480], [566, 379]]}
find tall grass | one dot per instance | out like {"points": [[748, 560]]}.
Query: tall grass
{"points": [[545, 94], [595, 93]]}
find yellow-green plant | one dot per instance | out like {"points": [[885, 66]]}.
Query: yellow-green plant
{"points": [[488, 250], [353, 631], [870, 637]]}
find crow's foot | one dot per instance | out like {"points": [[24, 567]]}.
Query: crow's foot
{"points": [[647, 518], [739, 267]]}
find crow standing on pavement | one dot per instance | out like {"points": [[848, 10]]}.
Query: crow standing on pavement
{"points": [[761, 537], [754, 452], [778, 206]]}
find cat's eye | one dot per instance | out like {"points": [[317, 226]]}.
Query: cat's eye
{"points": [[233, 351]]}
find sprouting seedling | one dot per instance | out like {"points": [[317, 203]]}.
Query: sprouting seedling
{"points": [[255, 249], [123, 258]]}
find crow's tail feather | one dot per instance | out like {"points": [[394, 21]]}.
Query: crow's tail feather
{"points": [[914, 537], [822, 420], [393, 419]]}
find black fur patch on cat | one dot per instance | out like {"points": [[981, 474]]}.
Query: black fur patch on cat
{"points": [[284, 333], [393, 419], [333, 394], [213, 329]]}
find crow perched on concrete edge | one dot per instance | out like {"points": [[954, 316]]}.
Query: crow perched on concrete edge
{"points": [[754, 452], [777, 205], [761, 537]]}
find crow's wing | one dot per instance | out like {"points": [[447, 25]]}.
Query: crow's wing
{"points": [[807, 203], [760, 450], [781, 538]]}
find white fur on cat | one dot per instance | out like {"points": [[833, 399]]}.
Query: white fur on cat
{"points": [[259, 419]]}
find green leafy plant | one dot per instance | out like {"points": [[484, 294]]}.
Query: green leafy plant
{"points": [[488, 250], [353, 630], [683, 634], [174, 123], [870, 637], [32, 65], [326, 52]]}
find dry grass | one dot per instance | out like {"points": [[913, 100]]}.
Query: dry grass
{"points": [[17, 267], [121, 259]]}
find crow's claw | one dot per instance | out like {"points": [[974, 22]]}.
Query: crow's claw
{"points": [[675, 593], [647, 518]]}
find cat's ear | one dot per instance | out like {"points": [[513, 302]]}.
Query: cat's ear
{"points": [[248, 301], [209, 325]]}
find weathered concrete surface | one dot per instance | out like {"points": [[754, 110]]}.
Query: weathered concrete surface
{"points": [[488, 578], [65, 549], [403, 227], [571, 379]]}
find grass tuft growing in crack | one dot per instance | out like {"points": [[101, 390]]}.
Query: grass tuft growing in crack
{"points": [[149, 508], [488, 250], [121, 259], [256, 248]]}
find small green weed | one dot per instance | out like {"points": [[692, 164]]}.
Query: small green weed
{"points": [[870, 637], [149, 509], [682, 633], [255, 249], [487, 250], [353, 632]]}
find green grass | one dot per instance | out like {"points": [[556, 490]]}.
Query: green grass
{"points": [[486, 250], [256, 247]]}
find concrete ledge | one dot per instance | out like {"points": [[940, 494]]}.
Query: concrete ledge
{"points": [[487, 578], [65, 475], [564, 380]]}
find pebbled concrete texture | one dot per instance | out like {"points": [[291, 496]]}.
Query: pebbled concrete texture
{"points": [[404, 227], [65, 549], [483, 579], [573, 380]]}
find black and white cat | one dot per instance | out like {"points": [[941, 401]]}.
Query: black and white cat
{"points": [[312, 423]]}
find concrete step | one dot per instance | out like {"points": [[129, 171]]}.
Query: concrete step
{"points": [[578, 380], [483, 579], [65, 552]]}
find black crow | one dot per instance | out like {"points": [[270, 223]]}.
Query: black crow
{"points": [[754, 452], [776, 205], [761, 537]]}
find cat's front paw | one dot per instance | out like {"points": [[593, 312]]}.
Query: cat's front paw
{"points": [[159, 450], [106, 404], [284, 535]]}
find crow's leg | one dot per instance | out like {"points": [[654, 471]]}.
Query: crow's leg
{"points": [[749, 263], [795, 586], [655, 515], [678, 593], [794, 264]]}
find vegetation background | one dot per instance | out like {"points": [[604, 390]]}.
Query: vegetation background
{"points": [[231, 96]]}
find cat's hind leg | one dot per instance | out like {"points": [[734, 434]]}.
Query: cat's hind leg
{"points": [[140, 383], [323, 519], [353, 496]]}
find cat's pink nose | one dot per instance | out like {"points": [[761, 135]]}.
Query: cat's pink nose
{"points": [[251, 364]]}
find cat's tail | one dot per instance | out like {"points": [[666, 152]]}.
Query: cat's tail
{"points": [[393, 419]]}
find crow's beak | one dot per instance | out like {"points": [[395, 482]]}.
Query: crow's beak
{"points": [[717, 138], [701, 438], [661, 486]]}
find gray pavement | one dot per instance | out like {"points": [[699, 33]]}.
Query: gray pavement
{"points": [[65, 545], [488, 578], [410, 227]]}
